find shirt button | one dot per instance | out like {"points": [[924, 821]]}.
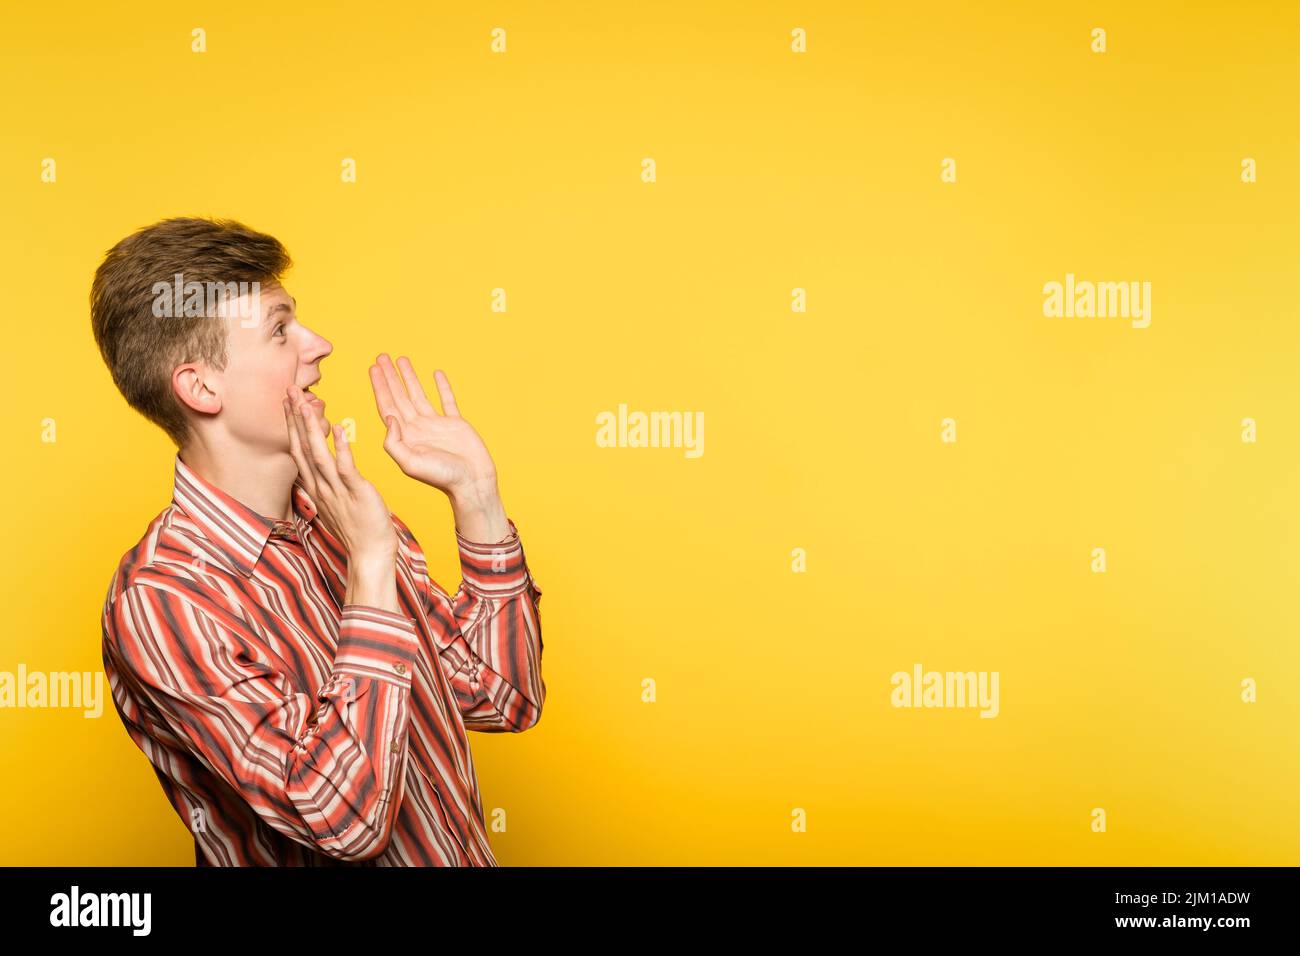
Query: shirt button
{"points": [[397, 747], [399, 667]]}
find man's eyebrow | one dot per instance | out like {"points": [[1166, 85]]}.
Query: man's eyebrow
{"points": [[278, 307]]}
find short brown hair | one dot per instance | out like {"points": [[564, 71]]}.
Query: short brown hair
{"points": [[142, 350]]}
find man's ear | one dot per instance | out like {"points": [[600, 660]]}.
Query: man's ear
{"points": [[190, 386]]}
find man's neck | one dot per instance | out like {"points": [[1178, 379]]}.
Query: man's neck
{"points": [[261, 482]]}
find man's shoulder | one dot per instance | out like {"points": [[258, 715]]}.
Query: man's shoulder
{"points": [[172, 574], [167, 552]]}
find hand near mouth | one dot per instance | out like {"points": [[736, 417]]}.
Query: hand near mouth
{"points": [[315, 406], [346, 504]]}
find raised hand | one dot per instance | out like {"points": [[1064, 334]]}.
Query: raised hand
{"points": [[440, 449]]}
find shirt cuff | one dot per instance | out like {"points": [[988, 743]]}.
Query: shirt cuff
{"points": [[377, 643], [493, 570]]}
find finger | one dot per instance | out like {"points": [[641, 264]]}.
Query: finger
{"points": [[418, 398], [405, 410], [383, 394], [444, 392], [296, 438], [296, 405], [318, 453], [394, 444], [346, 465]]}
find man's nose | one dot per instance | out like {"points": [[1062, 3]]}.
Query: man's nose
{"points": [[319, 347]]}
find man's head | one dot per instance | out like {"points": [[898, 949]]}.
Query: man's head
{"points": [[199, 333]]}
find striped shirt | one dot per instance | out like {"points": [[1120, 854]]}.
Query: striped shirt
{"points": [[291, 729]]}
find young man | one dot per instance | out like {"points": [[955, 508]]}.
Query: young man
{"points": [[274, 643]]}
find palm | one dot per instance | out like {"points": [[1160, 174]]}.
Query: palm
{"points": [[446, 451], [439, 448]]}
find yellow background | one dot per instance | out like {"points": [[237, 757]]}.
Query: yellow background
{"points": [[775, 171]]}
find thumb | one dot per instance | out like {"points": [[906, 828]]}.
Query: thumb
{"points": [[393, 443]]}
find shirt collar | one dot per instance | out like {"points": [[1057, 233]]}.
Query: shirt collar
{"points": [[239, 531]]}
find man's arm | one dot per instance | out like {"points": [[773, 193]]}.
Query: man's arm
{"points": [[489, 634], [326, 770]]}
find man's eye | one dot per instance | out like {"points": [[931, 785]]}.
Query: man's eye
{"points": [[278, 329]]}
